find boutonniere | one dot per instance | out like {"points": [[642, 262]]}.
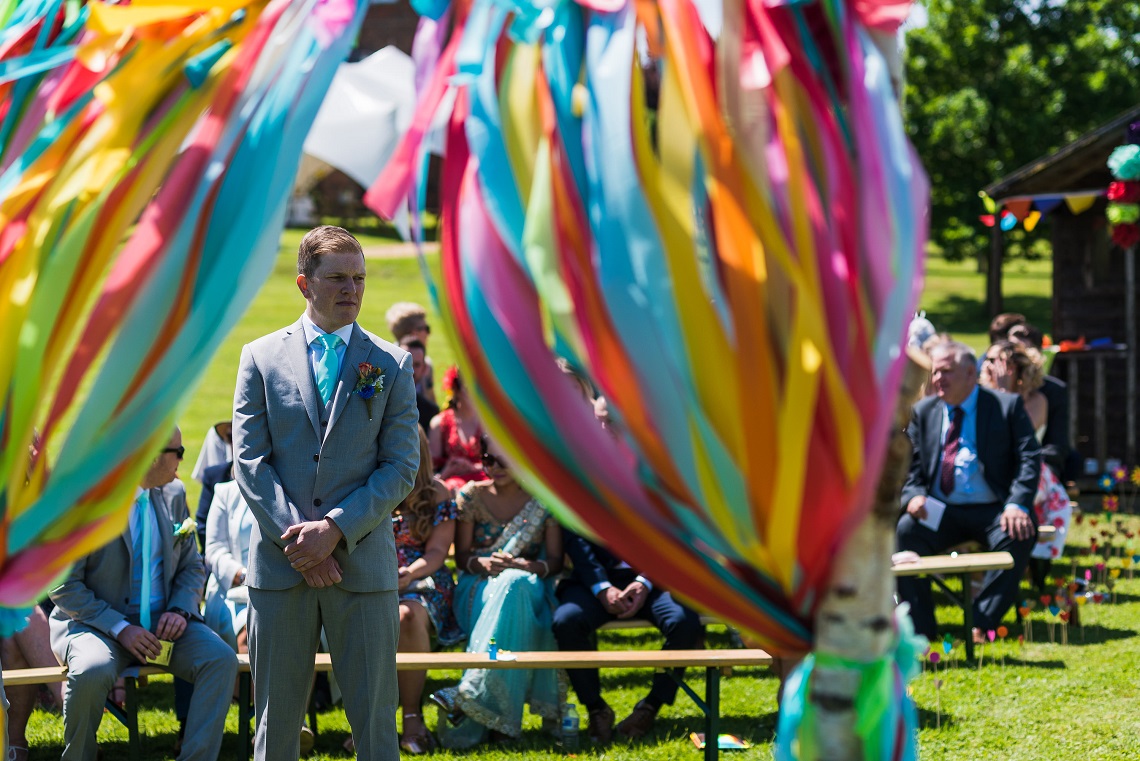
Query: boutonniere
{"points": [[187, 528], [369, 383]]}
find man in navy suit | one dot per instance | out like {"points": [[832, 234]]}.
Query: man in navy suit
{"points": [[974, 453], [601, 589]]}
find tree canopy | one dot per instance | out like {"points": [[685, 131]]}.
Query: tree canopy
{"points": [[993, 84]]}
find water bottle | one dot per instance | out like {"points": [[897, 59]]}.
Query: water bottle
{"points": [[570, 728], [492, 649]]}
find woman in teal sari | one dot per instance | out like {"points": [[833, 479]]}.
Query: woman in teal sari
{"points": [[508, 549]]}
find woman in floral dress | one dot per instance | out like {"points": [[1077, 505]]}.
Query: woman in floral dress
{"points": [[424, 525]]}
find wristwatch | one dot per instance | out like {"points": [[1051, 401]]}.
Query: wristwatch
{"points": [[180, 612]]}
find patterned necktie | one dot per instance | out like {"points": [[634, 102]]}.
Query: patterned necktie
{"points": [[142, 559], [950, 450], [328, 366]]}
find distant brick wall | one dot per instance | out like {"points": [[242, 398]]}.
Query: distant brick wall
{"points": [[338, 195]]}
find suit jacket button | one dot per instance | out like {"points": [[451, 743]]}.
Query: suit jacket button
{"points": [[316, 503], [316, 458]]}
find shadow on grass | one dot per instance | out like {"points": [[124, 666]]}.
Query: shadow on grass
{"points": [[956, 313], [930, 719], [755, 728], [636, 679], [1093, 634]]}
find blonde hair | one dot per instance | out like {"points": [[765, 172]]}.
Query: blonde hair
{"points": [[1027, 365], [418, 508], [404, 317]]}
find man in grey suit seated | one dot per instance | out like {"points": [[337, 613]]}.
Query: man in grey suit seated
{"points": [[325, 445], [119, 601]]}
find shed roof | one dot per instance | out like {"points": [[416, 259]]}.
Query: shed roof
{"points": [[1078, 166]]}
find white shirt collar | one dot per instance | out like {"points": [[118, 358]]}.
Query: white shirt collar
{"points": [[312, 331]]}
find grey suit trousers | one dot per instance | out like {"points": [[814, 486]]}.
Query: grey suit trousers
{"points": [[94, 661], [362, 629]]}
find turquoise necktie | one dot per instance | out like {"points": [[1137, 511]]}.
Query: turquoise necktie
{"points": [[328, 366], [144, 559]]}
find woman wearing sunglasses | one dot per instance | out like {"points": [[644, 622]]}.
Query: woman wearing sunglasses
{"points": [[508, 548]]}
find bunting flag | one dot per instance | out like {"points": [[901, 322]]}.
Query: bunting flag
{"points": [[146, 154], [1023, 208]]}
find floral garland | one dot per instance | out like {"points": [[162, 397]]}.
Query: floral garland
{"points": [[1124, 196]]}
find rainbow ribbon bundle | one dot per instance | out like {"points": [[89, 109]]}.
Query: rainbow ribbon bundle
{"points": [[711, 209], [146, 154]]}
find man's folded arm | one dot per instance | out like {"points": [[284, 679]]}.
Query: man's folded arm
{"points": [[256, 478], [367, 506], [81, 605]]}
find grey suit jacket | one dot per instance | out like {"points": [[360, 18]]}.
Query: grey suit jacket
{"points": [[295, 460], [96, 594]]}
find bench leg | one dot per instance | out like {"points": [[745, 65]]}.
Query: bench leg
{"points": [[134, 744], [712, 713], [968, 615], [245, 713]]}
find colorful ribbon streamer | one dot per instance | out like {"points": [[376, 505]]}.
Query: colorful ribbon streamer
{"points": [[146, 154], [711, 210]]}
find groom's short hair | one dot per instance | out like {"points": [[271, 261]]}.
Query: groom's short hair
{"points": [[326, 239]]}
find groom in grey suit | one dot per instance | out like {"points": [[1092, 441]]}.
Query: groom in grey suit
{"points": [[324, 448], [100, 624]]}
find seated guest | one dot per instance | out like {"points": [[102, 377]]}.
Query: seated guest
{"points": [[217, 448], [1018, 370], [28, 648], [1056, 443], [407, 319], [508, 549], [119, 601], [211, 477], [455, 436], [975, 453], [427, 408], [602, 589], [424, 524], [227, 560]]}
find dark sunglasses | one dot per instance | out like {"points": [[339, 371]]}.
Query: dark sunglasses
{"points": [[490, 459], [180, 451]]}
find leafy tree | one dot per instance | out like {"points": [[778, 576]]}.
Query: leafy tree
{"points": [[993, 84]]}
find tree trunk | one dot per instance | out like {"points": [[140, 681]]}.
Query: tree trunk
{"points": [[855, 621]]}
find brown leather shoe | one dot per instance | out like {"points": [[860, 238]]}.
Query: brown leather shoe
{"points": [[638, 723], [601, 729]]}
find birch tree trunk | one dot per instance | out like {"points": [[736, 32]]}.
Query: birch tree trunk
{"points": [[855, 620]]}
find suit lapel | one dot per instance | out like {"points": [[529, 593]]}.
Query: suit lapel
{"points": [[297, 350], [981, 425], [933, 441], [165, 534], [359, 347]]}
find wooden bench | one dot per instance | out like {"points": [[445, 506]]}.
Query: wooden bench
{"points": [[712, 661], [960, 565]]}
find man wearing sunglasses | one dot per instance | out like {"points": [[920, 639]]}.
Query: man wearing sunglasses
{"points": [[119, 601], [325, 446]]}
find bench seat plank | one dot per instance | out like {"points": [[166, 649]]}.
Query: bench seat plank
{"points": [[961, 563]]}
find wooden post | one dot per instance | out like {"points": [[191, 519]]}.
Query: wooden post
{"points": [[994, 305], [855, 618], [1130, 354]]}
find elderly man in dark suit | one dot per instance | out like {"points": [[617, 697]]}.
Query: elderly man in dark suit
{"points": [[973, 476], [119, 601]]}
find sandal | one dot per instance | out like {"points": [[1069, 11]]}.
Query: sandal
{"points": [[17, 753], [418, 744]]}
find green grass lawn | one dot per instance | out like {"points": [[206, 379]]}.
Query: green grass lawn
{"points": [[1070, 703], [1074, 702], [955, 297]]}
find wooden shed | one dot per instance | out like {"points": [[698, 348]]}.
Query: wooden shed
{"points": [[1094, 284]]}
